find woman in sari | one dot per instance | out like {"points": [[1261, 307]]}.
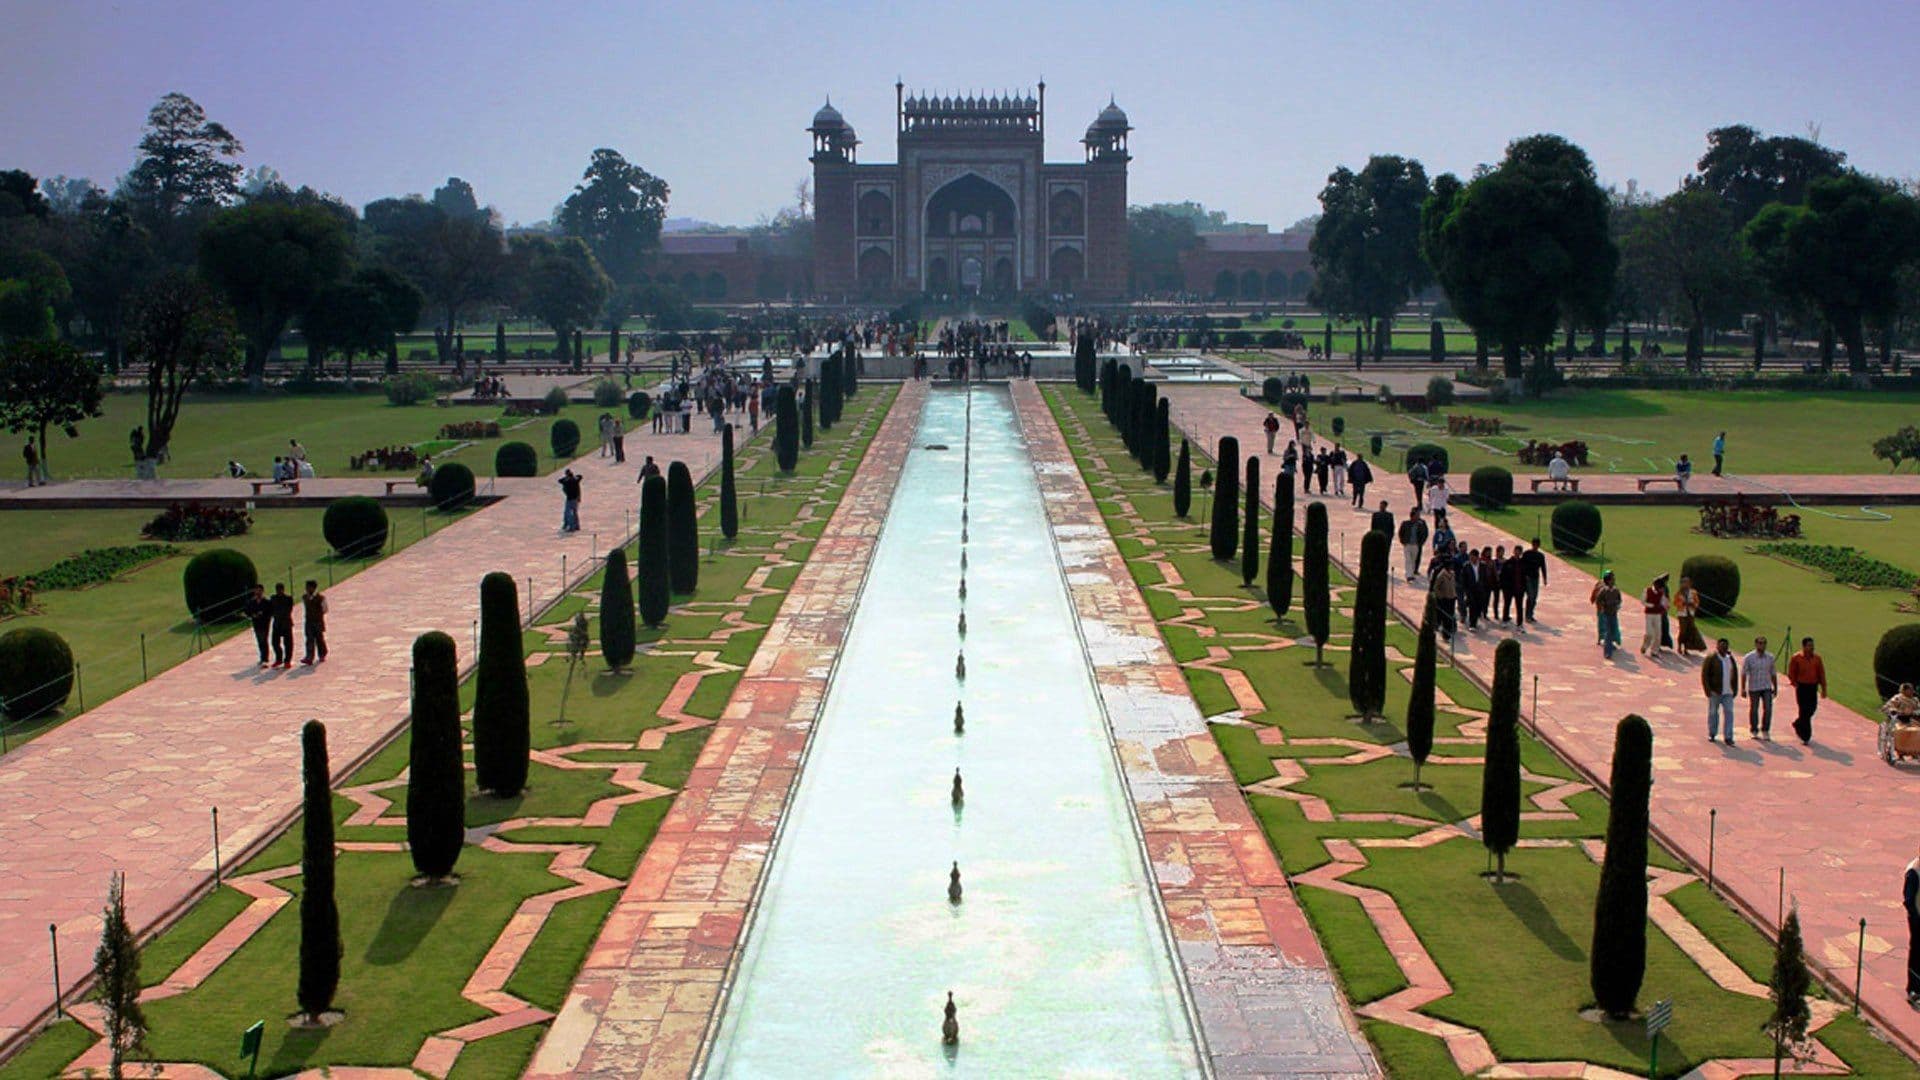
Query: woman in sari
{"points": [[1686, 608]]}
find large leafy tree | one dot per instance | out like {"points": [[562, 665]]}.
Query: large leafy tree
{"points": [[110, 258], [43, 384], [456, 200], [559, 282], [1523, 245], [1748, 170], [34, 291], [1841, 253], [617, 208], [272, 261], [1686, 251], [20, 195], [1366, 245], [183, 332], [1156, 238], [456, 258], [186, 160], [360, 316]]}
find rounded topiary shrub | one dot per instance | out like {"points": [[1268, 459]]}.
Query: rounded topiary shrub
{"points": [[1339, 426], [1271, 388], [1718, 579], [564, 438], [1376, 444], [1576, 527], [1439, 391], [556, 399], [516, 459], [36, 672], [638, 405], [1427, 454], [1491, 487], [216, 582], [606, 393], [1896, 659], [451, 487], [355, 526]]}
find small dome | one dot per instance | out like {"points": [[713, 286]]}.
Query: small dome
{"points": [[1112, 118], [828, 118]]}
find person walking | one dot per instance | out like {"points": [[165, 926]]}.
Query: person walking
{"points": [[1513, 588], [1605, 599], [1807, 674], [1686, 608], [1719, 452], [1719, 679], [1417, 476], [619, 441], [1759, 680], [1533, 575], [35, 476], [1271, 425], [570, 514], [1359, 475], [1653, 603], [281, 610], [313, 606], [1910, 899], [260, 613], [1437, 500], [1413, 541], [1445, 593], [1339, 470], [606, 434]]}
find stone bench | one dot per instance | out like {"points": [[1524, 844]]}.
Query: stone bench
{"points": [[1571, 483], [1644, 481], [291, 485]]}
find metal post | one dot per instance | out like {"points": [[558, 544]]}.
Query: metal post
{"points": [[563, 570], [529, 597], [1859, 961], [53, 935], [593, 548], [476, 637], [1713, 817], [216, 846], [79, 687], [143, 658], [1780, 912], [1536, 706]]}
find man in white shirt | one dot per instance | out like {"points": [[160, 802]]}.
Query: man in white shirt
{"points": [[1759, 682], [1558, 470]]}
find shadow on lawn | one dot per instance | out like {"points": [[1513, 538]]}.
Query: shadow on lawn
{"points": [[1526, 906], [411, 913]]}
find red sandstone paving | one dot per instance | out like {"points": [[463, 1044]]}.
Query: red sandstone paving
{"points": [[642, 1002], [1832, 815], [130, 785]]}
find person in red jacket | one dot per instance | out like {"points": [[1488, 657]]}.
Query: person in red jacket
{"points": [[1808, 675]]}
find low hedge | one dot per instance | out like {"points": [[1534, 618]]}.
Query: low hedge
{"points": [[216, 584], [36, 672], [355, 526], [564, 438], [1896, 659], [1718, 579], [1491, 487], [638, 405], [1576, 527], [516, 459], [1271, 388], [1428, 453], [451, 487]]}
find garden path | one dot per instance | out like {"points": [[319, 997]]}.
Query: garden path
{"points": [[1813, 825]]}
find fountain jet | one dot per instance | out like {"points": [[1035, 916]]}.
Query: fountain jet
{"points": [[950, 1027], [953, 884], [959, 789]]}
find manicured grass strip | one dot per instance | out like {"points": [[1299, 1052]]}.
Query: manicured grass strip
{"points": [[165, 955], [1409, 1053], [1734, 935], [1365, 965], [546, 973]]}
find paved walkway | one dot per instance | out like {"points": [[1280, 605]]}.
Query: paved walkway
{"points": [[131, 785], [1828, 817], [642, 1002], [1259, 982]]}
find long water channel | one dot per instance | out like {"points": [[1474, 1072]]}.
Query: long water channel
{"points": [[1056, 954]]}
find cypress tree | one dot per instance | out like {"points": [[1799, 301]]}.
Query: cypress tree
{"points": [[1162, 432], [1326, 339], [436, 777], [616, 612], [1183, 482], [1618, 959], [499, 342], [1315, 598], [1225, 536], [1083, 362], [786, 429], [320, 948], [1109, 372], [1500, 778], [1250, 540], [1420, 702], [1280, 555], [683, 531], [613, 345], [1122, 401], [656, 590], [1437, 343], [1787, 989], [117, 962], [850, 372], [1148, 424], [806, 416], [502, 715], [1367, 659], [829, 393], [729, 497]]}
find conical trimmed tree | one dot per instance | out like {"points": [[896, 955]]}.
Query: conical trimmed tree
{"points": [[1123, 405], [1250, 537], [1083, 362], [829, 394], [850, 372], [1787, 1024], [1617, 962], [1109, 372], [1224, 537], [1162, 443], [1500, 777], [683, 531], [1145, 409], [786, 429], [616, 612], [1280, 556], [1183, 482], [116, 965], [655, 579], [807, 401], [436, 776], [1437, 343], [320, 948], [1420, 701], [729, 493], [1367, 659], [1316, 598], [502, 714]]}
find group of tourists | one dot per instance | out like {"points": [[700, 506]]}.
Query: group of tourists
{"points": [[272, 620], [1756, 677]]}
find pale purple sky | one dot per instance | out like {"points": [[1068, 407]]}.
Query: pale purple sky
{"points": [[1245, 107]]}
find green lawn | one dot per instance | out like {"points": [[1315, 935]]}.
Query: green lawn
{"points": [[1645, 431], [408, 952], [1644, 541], [103, 624], [1515, 954]]}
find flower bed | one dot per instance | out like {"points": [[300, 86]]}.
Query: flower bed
{"points": [[1845, 565], [1742, 518], [95, 565], [388, 458], [472, 429], [197, 521], [1540, 453], [1473, 425]]}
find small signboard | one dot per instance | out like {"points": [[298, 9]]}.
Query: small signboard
{"points": [[250, 1045], [1659, 1017]]}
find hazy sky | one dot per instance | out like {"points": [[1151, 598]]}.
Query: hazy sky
{"points": [[1245, 107]]}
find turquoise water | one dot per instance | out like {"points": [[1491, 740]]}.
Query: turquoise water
{"points": [[1056, 956]]}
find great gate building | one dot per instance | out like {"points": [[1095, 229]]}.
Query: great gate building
{"points": [[970, 205]]}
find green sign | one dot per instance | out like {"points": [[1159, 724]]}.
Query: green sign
{"points": [[1659, 1017], [250, 1045]]}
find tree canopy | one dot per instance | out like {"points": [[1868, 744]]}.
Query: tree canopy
{"points": [[1366, 245], [271, 260], [558, 281], [186, 160], [1748, 170], [46, 384], [617, 208], [1686, 252]]}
